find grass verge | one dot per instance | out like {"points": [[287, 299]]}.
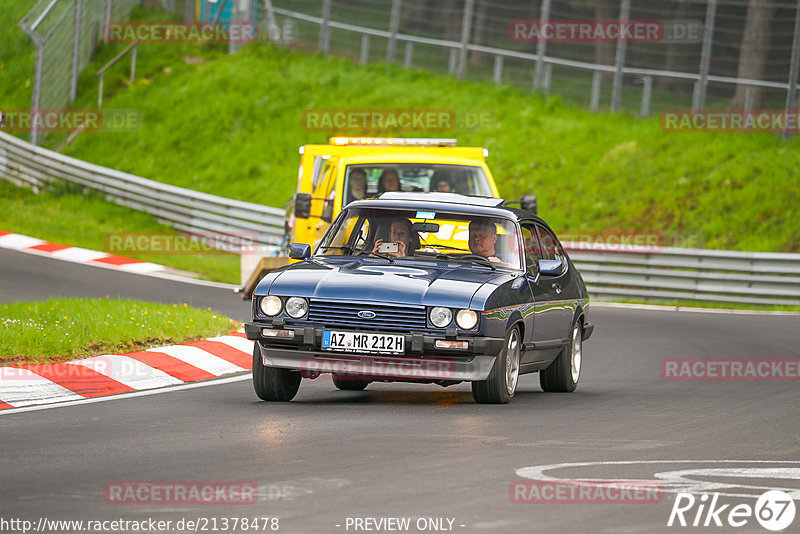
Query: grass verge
{"points": [[66, 216], [69, 328]]}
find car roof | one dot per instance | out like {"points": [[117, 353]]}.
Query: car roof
{"points": [[487, 206]]}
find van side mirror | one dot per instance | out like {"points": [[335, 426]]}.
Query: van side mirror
{"points": [[299, 251], [529, 203], [327, 210], [302, 205]]}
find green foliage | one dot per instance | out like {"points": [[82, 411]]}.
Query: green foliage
{"points": [[68, 328]]}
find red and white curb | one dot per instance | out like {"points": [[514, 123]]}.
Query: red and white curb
{"points": [[33, 245], [111, 374]]}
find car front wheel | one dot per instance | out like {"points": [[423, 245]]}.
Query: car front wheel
{"points": [[272, 383], [501, 385], [563, 374]]}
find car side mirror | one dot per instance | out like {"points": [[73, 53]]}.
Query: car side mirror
{"points": [[327, 210], [550, 267], [302, 205], [529, 203], [299, 251]]}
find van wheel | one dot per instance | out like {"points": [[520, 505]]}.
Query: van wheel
{"points": [[348, 384], [273, 383]]}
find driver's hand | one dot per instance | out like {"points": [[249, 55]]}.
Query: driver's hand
{"points": [[494, 259]]}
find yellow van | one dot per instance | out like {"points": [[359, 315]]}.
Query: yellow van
{"points": [[350, 168]]}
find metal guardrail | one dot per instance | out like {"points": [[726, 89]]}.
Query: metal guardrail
{"points": [[689, 274], [27, 165], [631, 272]]}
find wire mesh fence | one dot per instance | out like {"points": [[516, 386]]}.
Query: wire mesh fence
{"points": [[65, 33], [706, 54]]}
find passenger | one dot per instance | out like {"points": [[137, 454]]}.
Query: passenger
{"points": [[482, 239], [442, 186], [389, 181], [403, 235], [357, 185]]}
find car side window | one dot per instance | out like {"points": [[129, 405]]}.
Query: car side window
{"points": [[533, 249], [551, 250]]}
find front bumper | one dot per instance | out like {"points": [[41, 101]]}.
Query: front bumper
{"points": [[421, 361]]}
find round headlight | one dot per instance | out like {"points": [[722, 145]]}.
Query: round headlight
{"points": [[271, 305], [296, 307], [441, 317], [466, 319]]}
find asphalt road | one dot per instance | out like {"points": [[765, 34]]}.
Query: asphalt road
{"points": [[415, 451]]}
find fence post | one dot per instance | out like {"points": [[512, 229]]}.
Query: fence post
{"points": [[541, 47], [394, 25], [36, 96], [749, 96], [466, 30], [619, 61], [699, 100], [324, 30], [548, 75], [76, 49], [791, 93], [498, 70], [273, 30], [647, 90], [108, 21], [408, 55], [451, 65], [594, 104], [364, 55], [133, 62]]}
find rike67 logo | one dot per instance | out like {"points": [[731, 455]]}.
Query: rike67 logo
{"points": [[774, 510]]}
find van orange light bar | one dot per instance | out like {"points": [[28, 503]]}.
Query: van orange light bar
{"points": [[391, 141]]}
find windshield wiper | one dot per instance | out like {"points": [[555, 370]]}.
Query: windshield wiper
{"points": [[476, 260], [348, 248]]}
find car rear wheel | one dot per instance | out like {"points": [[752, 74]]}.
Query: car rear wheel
{"points": [[272, 383], [501, 385], [563, 374], [348, 384]]}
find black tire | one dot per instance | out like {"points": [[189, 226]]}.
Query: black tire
{"points": [[563, 374], [348, 384], [501, 384], [273, 383]]}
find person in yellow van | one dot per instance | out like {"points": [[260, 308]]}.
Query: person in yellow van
{"points": [[357, 185], [389, 181]]}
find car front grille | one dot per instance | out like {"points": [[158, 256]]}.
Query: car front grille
{"points": [[387, 317]]}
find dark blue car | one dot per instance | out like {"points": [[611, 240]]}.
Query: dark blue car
{"points": [[430, 288]]}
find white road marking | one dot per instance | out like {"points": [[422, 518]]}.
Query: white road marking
{"points": [[238, 343]]}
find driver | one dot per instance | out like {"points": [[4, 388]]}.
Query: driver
{"points": [[482, 239], [402, 234]]}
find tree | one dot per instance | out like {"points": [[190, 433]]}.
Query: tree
{"points": [[753, 53]]}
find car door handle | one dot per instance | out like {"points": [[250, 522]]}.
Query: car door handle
{"points": [[557, 287]]}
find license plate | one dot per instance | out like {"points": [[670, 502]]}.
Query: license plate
{"points": [[363, 342]]}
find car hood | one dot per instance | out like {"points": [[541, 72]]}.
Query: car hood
{"points": [[421, 283]]}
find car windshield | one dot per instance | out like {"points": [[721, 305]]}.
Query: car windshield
{"points": [[424, 234], [371, 180]]}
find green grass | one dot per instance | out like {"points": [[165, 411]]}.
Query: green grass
{"points": [[231, 126], [64, 329], [17, 57], [65, 216]]}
